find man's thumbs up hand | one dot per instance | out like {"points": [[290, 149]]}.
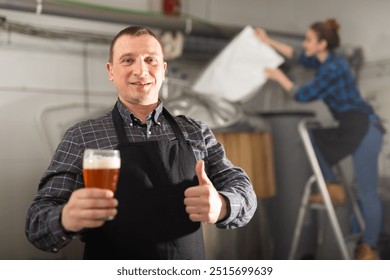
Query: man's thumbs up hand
{"points": [[201, 174], [203, 202]]}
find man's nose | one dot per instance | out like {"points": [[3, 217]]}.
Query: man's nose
{"points": [[141, 68]]}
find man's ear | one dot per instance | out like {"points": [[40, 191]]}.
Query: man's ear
{"points": [[165, 68], [109, 71]]}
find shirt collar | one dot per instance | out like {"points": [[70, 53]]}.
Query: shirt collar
{"points": [[129, 117], [330, 57]]}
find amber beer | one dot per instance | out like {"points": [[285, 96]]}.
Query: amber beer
{"points": [[101, 168]]}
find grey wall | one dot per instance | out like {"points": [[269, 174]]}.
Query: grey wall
{"points": [[45, 86], [363, 22]]}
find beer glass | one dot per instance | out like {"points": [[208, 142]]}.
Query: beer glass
{"points": [[101, 168]]}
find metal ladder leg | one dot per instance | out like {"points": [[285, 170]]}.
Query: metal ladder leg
{"points": [[303, 131], [301, 217]]}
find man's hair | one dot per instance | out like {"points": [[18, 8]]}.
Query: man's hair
{"points": [[133, 31]]}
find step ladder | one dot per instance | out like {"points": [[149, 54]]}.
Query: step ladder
{"points": [[317, 178]]}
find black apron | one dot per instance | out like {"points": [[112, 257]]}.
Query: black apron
{"points": [[151, 222], [339, 142]]}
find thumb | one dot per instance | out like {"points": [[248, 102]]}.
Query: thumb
{"points": [[201, 173]]}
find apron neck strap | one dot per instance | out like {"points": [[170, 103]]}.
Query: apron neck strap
{"points": [[121, 133], [174, 125]]}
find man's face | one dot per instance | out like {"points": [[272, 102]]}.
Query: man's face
{"points": [[137, 69]]}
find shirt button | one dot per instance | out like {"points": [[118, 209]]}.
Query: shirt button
{"points": [[149, 132], [131, 124], [55, 250], [158, 123], [64, 238]]}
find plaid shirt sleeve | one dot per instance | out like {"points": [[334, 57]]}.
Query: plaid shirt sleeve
{"points": [[328, 80], [64, 175], [230, 181]]}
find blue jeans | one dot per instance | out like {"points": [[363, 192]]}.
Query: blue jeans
{"points": [[365, 161]]}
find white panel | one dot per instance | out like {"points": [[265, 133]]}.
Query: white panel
{"points": [[237, 72]]}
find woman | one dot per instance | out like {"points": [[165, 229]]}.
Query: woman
{"points": [[359, 132]]}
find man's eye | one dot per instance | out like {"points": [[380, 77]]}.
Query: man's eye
{"points": [[127, 61], [151, 60]]}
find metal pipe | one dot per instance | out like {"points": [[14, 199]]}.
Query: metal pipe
{"points": [[202, 39], [186, 24]]}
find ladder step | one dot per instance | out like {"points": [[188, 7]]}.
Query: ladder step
{"points": [[321, 206]]}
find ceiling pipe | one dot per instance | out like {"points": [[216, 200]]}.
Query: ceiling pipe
{"points": [[187, 25], [158, 21], [202, 40]]}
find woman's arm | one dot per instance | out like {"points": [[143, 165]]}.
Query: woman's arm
{"points": [[284, 49], [279, 76]]}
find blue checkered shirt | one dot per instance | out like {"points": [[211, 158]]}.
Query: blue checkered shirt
{"points": [[64, 174], [333, 83]]}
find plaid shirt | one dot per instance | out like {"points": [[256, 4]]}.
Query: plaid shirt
{"points": [[64, 174], [333, 83]]}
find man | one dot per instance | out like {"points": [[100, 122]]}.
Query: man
{"points": [[164, 191]]}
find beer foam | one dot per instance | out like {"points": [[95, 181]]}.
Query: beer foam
{"points": [[99, 162]]}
